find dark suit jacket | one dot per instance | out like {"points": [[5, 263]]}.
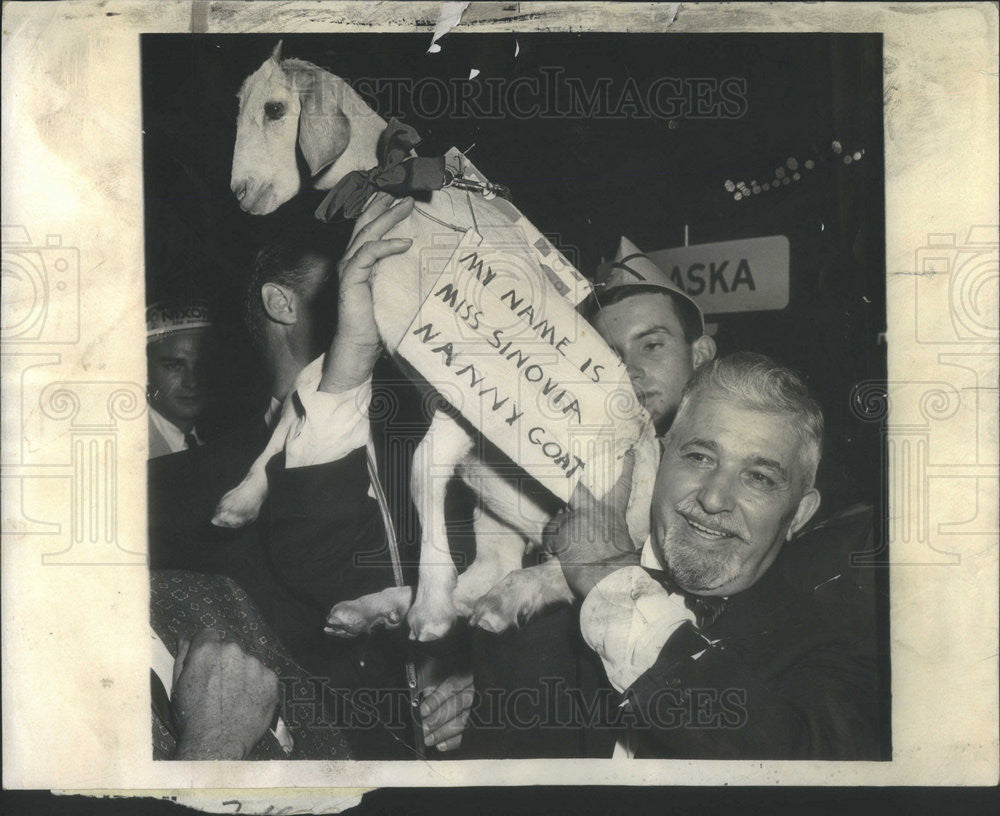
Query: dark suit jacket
{"points": [[788, 671], [183, 490]]}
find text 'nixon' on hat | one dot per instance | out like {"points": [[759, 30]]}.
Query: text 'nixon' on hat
{"points": [[166, 318]]}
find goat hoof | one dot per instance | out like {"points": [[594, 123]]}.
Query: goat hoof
{"points": [[380, 609], [492, 622], [492, 618], [509, 605], [236, 509], [433, 626], [463, 607], [345, 620]]}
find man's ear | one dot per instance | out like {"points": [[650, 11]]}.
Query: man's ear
{"points": [[702, 351], [279, 303], [808, 505], [324, 130]]}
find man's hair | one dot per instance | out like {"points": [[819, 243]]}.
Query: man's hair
{"points": [[686, 312], [757, 382], [283, 260]]}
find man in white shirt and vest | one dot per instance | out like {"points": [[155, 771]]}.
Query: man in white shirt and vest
{"points": [[177, 336], [333, 431]]}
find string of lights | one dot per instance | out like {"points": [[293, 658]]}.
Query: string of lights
{"points": [[792, 171]]}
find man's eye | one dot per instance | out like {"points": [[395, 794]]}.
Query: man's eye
{"points": [[697, 459], [761, 481], [652, 346], [274, 110]]}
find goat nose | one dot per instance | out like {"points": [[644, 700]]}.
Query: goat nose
{"points": [[239, 190]]}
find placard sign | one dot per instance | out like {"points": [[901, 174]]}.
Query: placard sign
{"points": [[730, 276], [510, 352]]}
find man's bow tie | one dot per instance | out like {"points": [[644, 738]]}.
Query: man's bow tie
{"points": [[706, 608]]}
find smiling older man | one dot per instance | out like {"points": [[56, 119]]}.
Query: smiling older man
{"points": [[717, 656]]}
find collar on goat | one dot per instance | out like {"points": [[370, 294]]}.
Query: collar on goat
{"points": [[398, 172]]}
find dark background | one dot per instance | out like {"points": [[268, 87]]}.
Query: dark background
{"points": [[583, 180]]}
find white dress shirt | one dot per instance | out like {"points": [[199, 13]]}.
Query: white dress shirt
{"points": [[329, 426], [172, 435]]}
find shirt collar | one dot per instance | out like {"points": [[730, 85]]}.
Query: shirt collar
{"points": [[173, 435], [272, 412], [650, 557]]}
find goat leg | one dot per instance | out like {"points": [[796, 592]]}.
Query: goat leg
{"points": [[434, 463], [242, 504]]}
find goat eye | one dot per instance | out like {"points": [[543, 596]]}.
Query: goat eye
{"points": [[274, 110]]}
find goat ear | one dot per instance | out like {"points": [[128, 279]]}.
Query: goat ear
{"points": [[324, 130], [276, 53]]}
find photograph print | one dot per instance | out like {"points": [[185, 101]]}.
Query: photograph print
{"points": [[518, 398]]}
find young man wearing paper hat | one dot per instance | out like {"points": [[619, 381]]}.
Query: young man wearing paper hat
{"points": [[176, 335], [656, 329]]}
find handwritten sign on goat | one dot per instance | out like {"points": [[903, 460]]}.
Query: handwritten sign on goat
{"points": [[510, 352], [731, 276]]}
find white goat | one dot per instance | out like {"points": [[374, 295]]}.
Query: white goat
{"points": [[288, 102]]}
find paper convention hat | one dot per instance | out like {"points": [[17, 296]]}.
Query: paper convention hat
{"points": [[632, 268], [166, 318]]}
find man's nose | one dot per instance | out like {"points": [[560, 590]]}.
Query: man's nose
{"points": [[192, 377], [634, 370], [717, 493]]}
